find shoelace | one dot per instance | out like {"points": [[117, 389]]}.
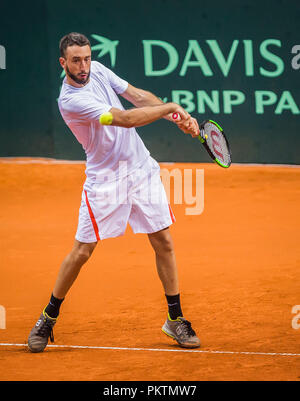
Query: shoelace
{"points": [[46, 330], [187, 327]]}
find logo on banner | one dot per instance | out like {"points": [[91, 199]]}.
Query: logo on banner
{"points": [[2, 58], [106, 46]]}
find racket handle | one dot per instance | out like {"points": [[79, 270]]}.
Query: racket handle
{"points": [[176, 117]]}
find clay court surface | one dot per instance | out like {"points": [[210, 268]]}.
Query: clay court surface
{"points": [[238, 266]]}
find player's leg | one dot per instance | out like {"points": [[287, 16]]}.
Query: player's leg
{"points": [[163, 246], [175, 326], [69, 270], [68, 273], [71, 266], [152, 214]]}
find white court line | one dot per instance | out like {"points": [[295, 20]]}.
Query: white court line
{"points": [[160, 350]]}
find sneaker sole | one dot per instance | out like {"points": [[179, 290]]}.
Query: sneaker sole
{"points": [[36, 350], [183, 345]]}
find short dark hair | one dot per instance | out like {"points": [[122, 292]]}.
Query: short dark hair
{"points": [[73, 38]]}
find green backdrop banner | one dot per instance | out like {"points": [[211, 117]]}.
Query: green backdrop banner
{"points": [[236, 62]]}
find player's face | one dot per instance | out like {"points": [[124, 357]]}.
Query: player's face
{"points": [[77, 63]]}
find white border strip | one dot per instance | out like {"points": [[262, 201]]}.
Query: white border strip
{"points": [[266, 165], [29, 160], [8, 160], [160, 350]]}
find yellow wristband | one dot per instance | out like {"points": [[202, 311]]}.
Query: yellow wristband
{"points": [[106, 118]]}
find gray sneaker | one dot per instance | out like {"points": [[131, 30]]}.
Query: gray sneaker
{"points": [[181, 331], [39, 335]]}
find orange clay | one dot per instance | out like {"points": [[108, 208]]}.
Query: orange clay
{"points": [[238, 267]]}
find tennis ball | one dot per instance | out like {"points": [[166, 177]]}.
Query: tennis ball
{"points": [[106, 118]]}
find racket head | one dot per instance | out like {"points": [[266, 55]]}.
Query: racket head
{"points": [[214, 140]]}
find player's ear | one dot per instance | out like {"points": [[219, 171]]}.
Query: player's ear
{"points": [[62, 62]]}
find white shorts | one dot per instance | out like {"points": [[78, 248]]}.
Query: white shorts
{"points": [[138, 199]]}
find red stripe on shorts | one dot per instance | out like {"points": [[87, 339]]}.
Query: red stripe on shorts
{"points": [[92, 217], [171, 214]]}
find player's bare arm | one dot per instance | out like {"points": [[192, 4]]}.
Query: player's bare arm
{"points": [[141, 98], [140, 116]]}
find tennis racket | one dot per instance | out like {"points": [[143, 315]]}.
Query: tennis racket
{"points": [[214, 140]]}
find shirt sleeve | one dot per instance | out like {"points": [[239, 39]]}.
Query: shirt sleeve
{"points": [[118, 84], [83, 109]]}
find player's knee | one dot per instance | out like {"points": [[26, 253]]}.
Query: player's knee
{"points": [[165, 246], [82, 253], [82, 256], [162, 242]]}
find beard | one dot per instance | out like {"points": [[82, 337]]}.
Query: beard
{"points": [[77, 79]]}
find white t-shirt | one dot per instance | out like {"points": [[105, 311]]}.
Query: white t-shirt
{"points": [[105, 145]]}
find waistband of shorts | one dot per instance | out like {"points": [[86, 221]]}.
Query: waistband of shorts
{"points": [[152, 165]]}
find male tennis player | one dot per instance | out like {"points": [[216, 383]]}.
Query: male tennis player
{"points": [[90, 106]]}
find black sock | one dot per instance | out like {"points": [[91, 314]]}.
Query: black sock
{"points": [[174, 306], [52, 309]]}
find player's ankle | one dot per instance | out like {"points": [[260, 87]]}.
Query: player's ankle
{"points": [[174, 307], [52, 309]]}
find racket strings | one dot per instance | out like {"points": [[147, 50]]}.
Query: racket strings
{"points": [[217, 143]]}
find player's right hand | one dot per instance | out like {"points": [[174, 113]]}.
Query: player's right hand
{"points": [[186, 122], [184, 115]]}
